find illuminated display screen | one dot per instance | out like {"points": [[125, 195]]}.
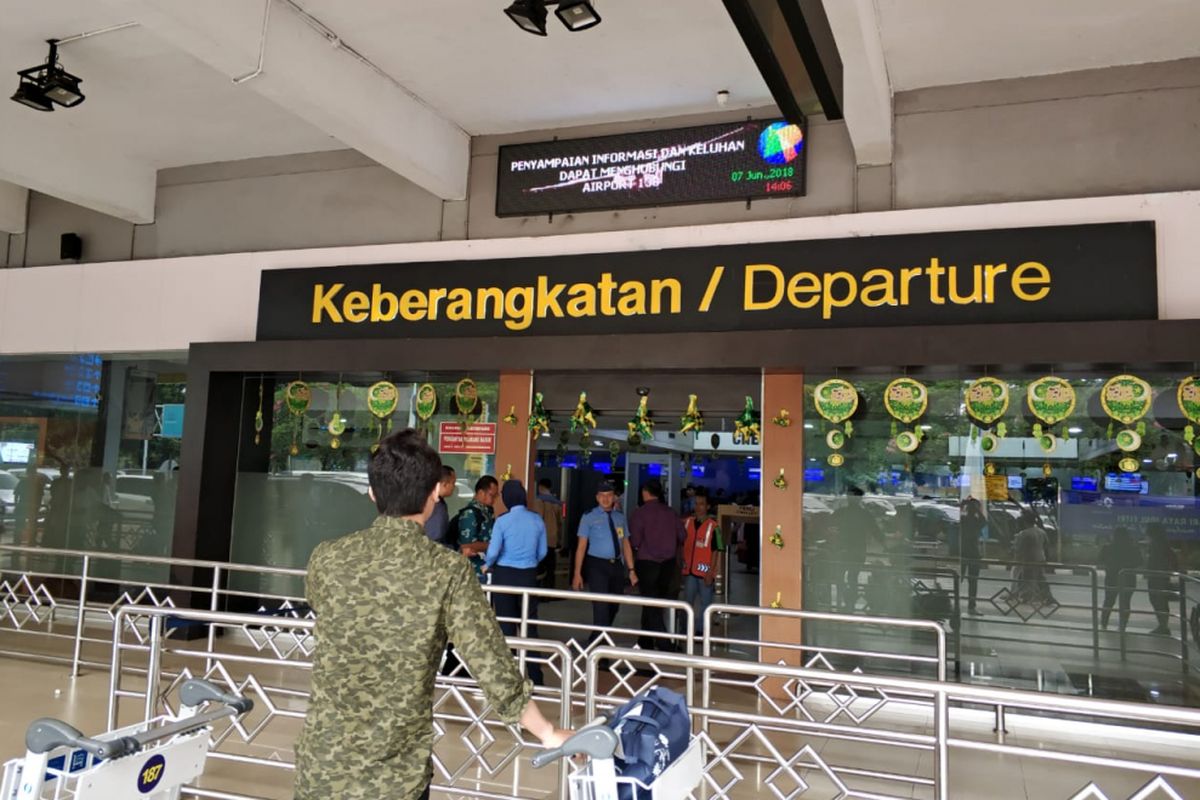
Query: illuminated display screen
{"points": [[707, 163]]}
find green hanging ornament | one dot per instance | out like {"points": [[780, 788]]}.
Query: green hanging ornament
{"points": [[692, 420], [382, 399], [746, 427], [511, 417], [466, 402], [297, 396], [564, 440], [906, 400], [583, 417], [641, 428], [986, 401], [1188, 397], [1127, 398], [784, 418], [426, 403], [614, 452], [337, 423], [258, 415], [836, 400], [539, 419], [777, 537]]}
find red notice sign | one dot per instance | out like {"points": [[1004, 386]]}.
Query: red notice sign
{"points": [[479, 437]]}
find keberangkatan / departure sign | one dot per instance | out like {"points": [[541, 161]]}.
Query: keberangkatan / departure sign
{"points": [[703, 164]]}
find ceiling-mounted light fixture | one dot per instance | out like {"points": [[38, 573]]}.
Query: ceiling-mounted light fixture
{"points": [[577, 15], [530, 15], [46, 85]]}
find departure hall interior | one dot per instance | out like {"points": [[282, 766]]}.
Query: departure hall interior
{"points": [[604, 400]]}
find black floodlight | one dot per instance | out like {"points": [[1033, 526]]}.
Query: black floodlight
{"points": [[530, 15], [48, 84], [577, 15]]}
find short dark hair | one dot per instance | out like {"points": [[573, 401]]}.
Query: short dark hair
{"points": [[654, 488], [448, 471], [545, 483], [485, 483], [701, 491], [403, 472]]}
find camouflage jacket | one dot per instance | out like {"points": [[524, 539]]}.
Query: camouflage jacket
{"points": [[387, 598]]}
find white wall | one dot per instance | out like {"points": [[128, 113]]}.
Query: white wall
{"points": [[163, 305]]}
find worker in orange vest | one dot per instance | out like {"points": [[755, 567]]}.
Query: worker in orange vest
{"points": [[702, 550]]}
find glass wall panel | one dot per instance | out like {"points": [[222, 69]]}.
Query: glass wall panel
{"points": [[313, 484], [1047, 518], [89, 453]]}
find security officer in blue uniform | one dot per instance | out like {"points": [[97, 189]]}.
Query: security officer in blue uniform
{"points": [[603, 557]]}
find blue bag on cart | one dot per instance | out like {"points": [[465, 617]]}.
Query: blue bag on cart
{"points": [[654, 728]]}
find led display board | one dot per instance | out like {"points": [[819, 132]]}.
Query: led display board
{"points": [[703, 164]]}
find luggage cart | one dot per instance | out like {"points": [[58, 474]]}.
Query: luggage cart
{"points": [[598, 779], [151, 760]]}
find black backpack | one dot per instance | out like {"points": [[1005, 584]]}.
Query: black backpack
{"points": [[450, 540]]}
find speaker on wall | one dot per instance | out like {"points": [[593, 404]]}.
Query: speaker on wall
{"points": [[70, 247]]}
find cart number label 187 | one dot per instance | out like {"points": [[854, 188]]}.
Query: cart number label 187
{"points": [[151, 774]]}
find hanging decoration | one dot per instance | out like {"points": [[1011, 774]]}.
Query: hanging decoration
{"points": [[692, 420], [507, 474], [511, 417], [747, 426], [777, 537], [836, 401], [466, 402], [778, 601], [1126, 399], [425, 405], [1128, 464], [258, 415], [780, 481], [583, 417], [906, 400], [641, 428], [1188, 396], [836, 459], [986, 400], [337, 423], [564, 440], [614, 452], [296, 396], [783, 419], [1051, 400], [539, 418], [382, 399]]}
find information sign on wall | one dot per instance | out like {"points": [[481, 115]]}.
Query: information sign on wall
{"points": [[477, 437], [707, 163]]}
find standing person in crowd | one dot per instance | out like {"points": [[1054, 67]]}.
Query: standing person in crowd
{"points": [[1029, 571], [387, 599], [971, 523], [474, 522], [517, 546], [702, 554], [854, 526], [1161, 558], [1120, 560], [656, 536], [439, 520], [603, 557], [550, 509]]}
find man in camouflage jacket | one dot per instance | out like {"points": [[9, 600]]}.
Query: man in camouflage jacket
{"points": [[387, 599]]}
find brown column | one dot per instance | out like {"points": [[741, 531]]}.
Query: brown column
{"points": [[782, 448], [513, 449]]}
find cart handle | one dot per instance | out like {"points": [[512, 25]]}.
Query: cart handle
{"points": [[197, 692], [596, 741], [45, 734]]}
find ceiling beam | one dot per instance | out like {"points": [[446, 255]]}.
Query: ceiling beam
{"points": [[866, 89], [317, 78], [13, 202], [43, 152]]}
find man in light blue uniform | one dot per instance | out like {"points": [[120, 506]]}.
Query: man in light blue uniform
{"points": [[517, 545], [603, 557]]}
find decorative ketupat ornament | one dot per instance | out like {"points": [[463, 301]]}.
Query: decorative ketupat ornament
{"points": [[836, 400], [986, 400], [692, 420], [641, 427], [780, 481], [539, 419], [783, 419], [511, 417], [296, 396], [583, 417], [747, 426], [906, 400], [1188, 396], [1126, 399], [1051, 400], [777, 537]]}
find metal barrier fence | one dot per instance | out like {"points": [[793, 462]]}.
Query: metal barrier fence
{"points": [[787, 744], [473, 750]]}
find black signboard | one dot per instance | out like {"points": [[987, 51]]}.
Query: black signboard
{"points": [[1069, 273], [707, 163]]}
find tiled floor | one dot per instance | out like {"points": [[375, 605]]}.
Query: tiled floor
{"points": [[31, 689]]}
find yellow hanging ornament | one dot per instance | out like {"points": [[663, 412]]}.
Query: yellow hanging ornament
{"points": [[777, 537], [780, 482], [778, 601], [511, 416], [784, 419]]}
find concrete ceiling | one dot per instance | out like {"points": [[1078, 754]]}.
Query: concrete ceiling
{"points": [[407, 84], [942, 42]]}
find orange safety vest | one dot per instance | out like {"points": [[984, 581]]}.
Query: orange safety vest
{"points": [[699, 548]]}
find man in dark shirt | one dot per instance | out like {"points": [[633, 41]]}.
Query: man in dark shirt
{"points": [[656, 535], [439, 520], [387, 599]]}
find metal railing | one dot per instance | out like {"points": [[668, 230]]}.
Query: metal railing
{"points": [[868, 713], [148, 667]]}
